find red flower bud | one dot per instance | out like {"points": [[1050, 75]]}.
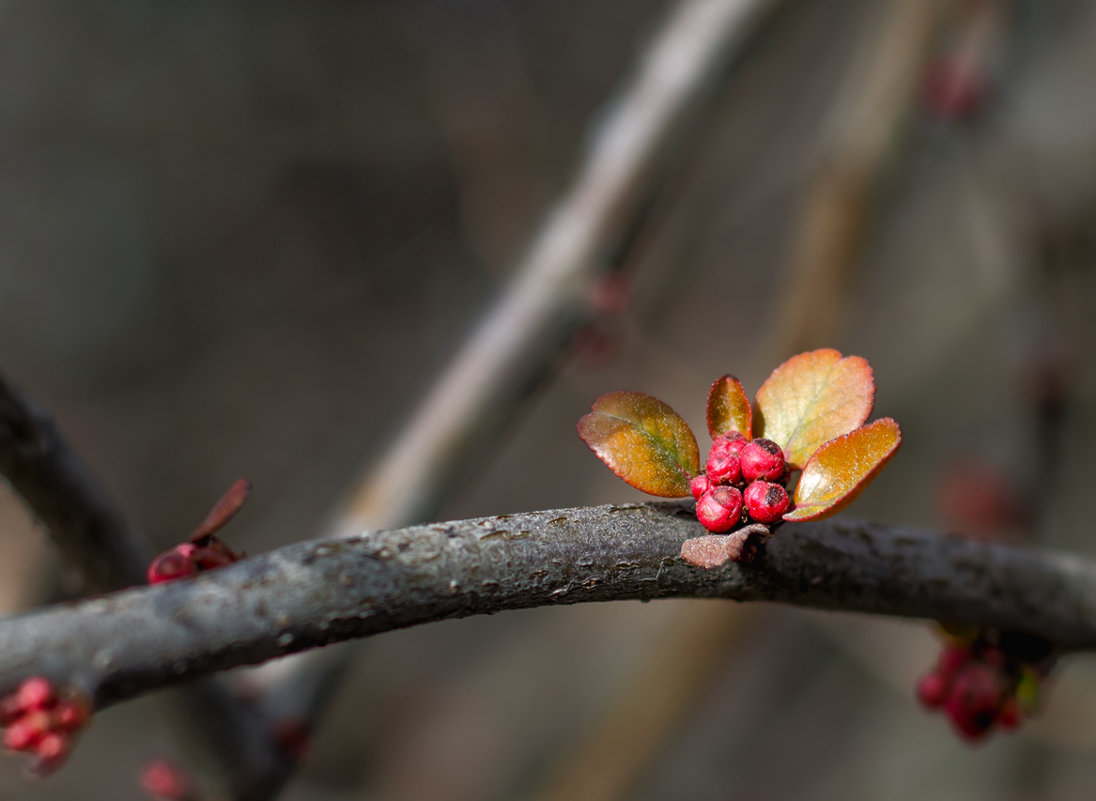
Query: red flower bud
{"points": [[766, 501], [25, 733], [35, 693], [723, 465], [762, 458], [52, 750], [172, 564], [720, 508], [975, 700], [699, 485], [933, 689]]}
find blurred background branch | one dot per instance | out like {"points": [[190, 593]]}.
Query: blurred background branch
{"points": [[552, 292], [60, 491]]}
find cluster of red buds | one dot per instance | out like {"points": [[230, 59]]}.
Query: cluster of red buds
{"points": [[743, 480], [987, 681], [40, 721], [203, 551]]}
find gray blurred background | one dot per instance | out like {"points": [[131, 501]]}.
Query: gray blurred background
{"points": [[241, 239]]}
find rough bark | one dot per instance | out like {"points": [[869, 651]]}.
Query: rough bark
{"points": [[319, 592]]}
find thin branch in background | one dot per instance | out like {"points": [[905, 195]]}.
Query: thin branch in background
{"points": [[521, 338], [315, 593], [609, 760], [876, 100], [57, 486]]}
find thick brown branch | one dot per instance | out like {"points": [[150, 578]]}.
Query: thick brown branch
{"points": [[319, 592]]}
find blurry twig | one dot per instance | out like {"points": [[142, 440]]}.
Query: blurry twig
{"points": [[58, 488], [521, 337], [875, 102], [607, 761], [319, 592]]}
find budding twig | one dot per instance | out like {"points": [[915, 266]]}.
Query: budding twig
{"points": [[319, 592], [96, 539]]}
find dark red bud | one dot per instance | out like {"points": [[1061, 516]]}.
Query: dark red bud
{"points": [[977, 695], [171, 565], [35, 693], [699, 485], [933, 689], [766, 502], [762, 458], [52, 750], [25, 733], [723, 465], [719, 509]]}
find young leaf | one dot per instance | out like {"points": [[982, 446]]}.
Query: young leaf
{"points": [[841, 468], [812, 398], [643, 441], [728, 408]]}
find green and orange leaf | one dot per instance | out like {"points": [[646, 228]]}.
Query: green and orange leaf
{"points": [[811, 399], [840, 469], [728, 408], [643, 441]]}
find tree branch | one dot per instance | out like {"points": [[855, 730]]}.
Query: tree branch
{"points": [[94, 536], [547, 299], [319, 592], [59, 489], [629, 148]]}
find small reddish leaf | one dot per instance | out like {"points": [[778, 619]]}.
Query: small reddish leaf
{"points": [[643, 441], [224, 510], [728, 408], [841, 468], [811, 399]]}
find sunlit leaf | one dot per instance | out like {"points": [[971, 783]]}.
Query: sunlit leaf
{"points": [[643, 441], [841, 468], [812, 398], [728, 408]]}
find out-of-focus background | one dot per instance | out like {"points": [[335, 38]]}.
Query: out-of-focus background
{"points": [[241, 240]]}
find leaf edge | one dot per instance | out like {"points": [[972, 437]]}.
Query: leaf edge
{"points": [[843, 502]]}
